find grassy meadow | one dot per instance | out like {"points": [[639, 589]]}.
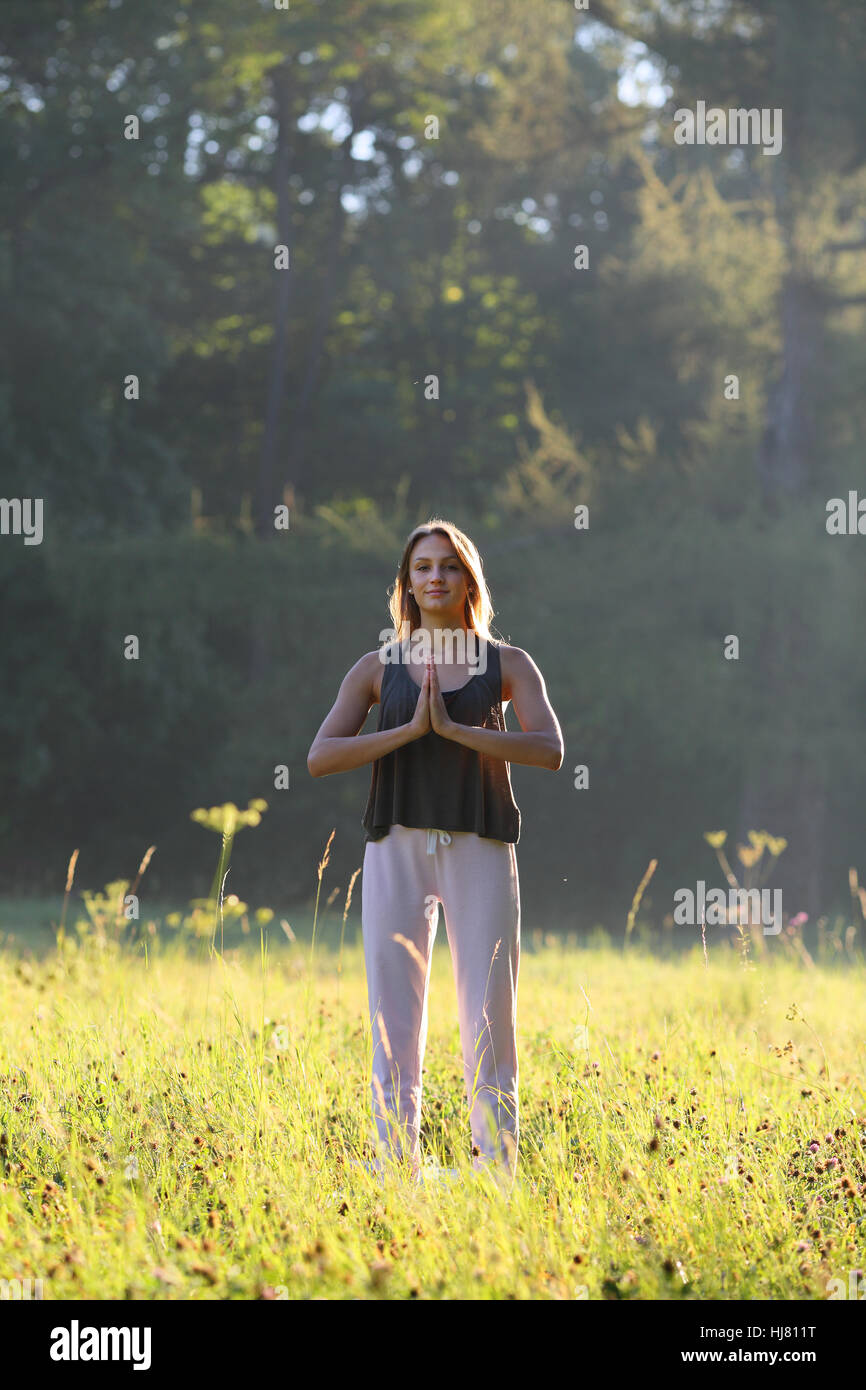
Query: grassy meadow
{"points": [[179, 1120]]}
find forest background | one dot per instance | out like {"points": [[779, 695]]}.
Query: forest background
{"points": [[433, 168]]}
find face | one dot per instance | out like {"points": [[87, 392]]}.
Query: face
{"points": [[438, 578]]}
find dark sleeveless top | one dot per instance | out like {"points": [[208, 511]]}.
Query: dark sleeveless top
{"points": [[433, 782]]}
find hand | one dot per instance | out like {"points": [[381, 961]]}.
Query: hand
{"points": [[439, 717], [420, 722]]}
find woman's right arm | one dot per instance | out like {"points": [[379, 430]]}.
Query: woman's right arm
{"points": [[339, 746]]}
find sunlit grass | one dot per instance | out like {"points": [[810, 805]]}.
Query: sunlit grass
{"points": [[181, 1124]]}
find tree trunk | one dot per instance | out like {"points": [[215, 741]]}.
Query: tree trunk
{"points": [[296, 463], [265, 500], [784, 788], [786, 795], [788, 444], [276, 379]]}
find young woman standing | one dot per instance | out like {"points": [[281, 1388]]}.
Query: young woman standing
{"points": [[442, 826]]}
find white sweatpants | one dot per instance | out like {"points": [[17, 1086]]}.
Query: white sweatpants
{"points": [[407, 874]]}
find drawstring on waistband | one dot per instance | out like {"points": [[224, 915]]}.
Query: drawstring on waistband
{"points": [[437, 836]]}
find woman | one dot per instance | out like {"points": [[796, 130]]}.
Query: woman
{"points": [[442, 826]]}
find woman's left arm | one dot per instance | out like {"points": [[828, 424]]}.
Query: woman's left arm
{"points": [[539, 745]]}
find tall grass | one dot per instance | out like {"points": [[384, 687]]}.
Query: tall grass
{"points": [[689, 1127]]}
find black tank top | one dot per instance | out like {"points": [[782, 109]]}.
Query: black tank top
{"points": [[433, 782]]}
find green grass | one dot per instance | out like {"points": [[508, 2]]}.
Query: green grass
{"points": [[176, 1125]]}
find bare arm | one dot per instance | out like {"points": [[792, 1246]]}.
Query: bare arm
{"points": [[539, 745], [339, 746]]}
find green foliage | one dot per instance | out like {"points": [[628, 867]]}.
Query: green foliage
{"points": [[699, 1127], [414, 257]]}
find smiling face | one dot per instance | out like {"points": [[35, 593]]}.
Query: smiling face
{"points": [[439, 581]]}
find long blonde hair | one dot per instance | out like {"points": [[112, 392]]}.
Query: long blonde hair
{"points": [[478, 608]]}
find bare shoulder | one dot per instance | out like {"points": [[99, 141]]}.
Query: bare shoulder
{"points": [[368, 670], [515, 663]]}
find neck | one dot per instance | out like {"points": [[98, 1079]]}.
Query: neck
{"points": [[441, 622], [462, 646]]}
